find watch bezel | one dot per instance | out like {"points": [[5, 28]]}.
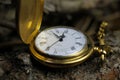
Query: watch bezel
{"points": [[60, 56], [54, 61]]}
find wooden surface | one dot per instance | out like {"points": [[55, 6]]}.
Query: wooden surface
{"points": [[16, 63]]}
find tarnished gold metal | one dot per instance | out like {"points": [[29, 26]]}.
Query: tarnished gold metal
{"points": [[60, 62], [30, 18], [103, 48]]}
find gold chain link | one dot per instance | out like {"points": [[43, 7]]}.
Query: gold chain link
{"points": [[103, 48]]}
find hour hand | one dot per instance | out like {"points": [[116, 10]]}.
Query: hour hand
{"points": [[56, 35]]}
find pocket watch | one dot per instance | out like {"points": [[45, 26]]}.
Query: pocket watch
{"points": [[58, 46]]}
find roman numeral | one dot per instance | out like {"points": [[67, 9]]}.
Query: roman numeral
{"points": [[78, 38], [80, 44], [55, 51], [66, 31], [73, 48], [42, 43], [57, 31], [73, 33]]}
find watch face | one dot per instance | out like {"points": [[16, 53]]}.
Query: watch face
{"points": [[61, 42]]}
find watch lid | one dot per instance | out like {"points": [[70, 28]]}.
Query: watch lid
{"points": [[30, 18]]}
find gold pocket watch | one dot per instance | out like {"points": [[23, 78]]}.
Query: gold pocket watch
{"points": [[59, 46]]}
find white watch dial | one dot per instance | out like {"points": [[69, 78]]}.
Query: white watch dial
{"points": [[60, 41]]}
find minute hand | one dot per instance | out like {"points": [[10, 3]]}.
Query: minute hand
{"points": [[52, 45]]}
